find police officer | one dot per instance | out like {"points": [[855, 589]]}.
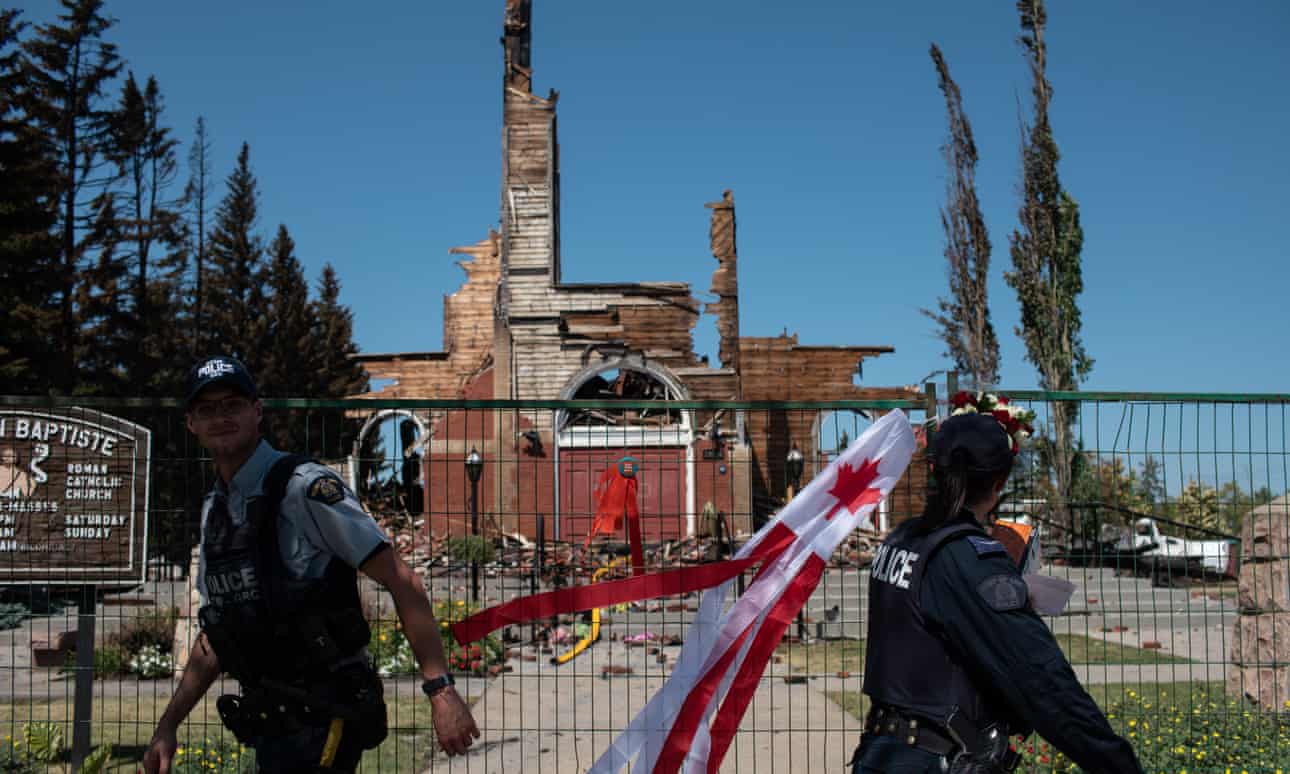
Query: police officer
{"points": [[281, 539], [956, 659]]}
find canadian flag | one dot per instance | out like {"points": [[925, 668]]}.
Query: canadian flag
{"points": [[691, 721]]}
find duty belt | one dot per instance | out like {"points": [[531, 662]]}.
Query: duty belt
{"points": [[914, 731]]}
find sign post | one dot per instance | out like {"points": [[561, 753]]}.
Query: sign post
{"points": [[73, 513]]}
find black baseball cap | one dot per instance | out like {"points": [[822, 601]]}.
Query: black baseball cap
{"points": [[220, 369], [972, 442]]}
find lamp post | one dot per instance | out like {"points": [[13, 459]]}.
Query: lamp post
{"points": [[793, 464], [474, 469]]}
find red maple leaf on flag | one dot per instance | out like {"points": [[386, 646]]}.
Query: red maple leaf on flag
{"points": [[852, 487]]}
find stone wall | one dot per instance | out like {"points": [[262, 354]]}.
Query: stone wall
{"points": [[1260, 667]]}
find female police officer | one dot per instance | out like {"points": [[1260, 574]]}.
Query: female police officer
{"points": [[956, 659]]}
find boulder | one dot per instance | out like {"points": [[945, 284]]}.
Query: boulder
{"points": [[1269, 686], [1265, 531], [1261, 640], [1264, 587]]}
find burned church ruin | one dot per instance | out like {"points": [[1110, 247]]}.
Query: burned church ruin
{"points": [[515, 330]]}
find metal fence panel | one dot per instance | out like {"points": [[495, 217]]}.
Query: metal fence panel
{"points": [[1150, 533]]}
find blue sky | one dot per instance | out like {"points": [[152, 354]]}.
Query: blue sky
{"points": [[375, 134]]}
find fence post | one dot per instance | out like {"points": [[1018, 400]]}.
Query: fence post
{"points": [[535, 568], [83, 710]]}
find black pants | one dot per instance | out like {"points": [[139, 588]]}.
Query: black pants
{"points": [[890, 755], [301, 753]]}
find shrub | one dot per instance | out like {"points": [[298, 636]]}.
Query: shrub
{"points": [[390, 650], [475, 658], [150, 663], [12, 614], [14, 760], [110, 661], [44, 741], [471, 548], [155, 626], [393, 654]]}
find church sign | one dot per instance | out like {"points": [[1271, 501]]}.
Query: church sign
{"points": [[73, 497]]}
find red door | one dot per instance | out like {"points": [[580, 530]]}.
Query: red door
{"points": [[660, 490]]}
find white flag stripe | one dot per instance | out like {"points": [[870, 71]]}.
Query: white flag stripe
{"points": [[889, 441]]}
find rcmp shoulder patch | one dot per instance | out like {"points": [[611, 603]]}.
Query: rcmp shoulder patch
{"points": [[985, 546], [1004, 592], [326, 489]]}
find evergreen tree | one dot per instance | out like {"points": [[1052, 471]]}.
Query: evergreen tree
{"points": [[1046, 259], [232, 298], [963, 319], [197, 197], [287, 370], [290, 321], [68, 65], [29, 265], [336, 373]]}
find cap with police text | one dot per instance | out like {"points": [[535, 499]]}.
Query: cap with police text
{"points": [[972, 442], [224, 370]]}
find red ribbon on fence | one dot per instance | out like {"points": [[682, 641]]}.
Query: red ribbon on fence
{"points": [[617, 592]]}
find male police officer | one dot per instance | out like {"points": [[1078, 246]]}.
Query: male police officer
{"points": [[281, 538], [957, 660]]}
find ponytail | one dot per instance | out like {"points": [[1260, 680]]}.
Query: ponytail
{"points": [[954, 489]]}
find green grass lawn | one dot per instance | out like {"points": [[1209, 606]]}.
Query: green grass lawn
{"points": [[831, 656], [127, 721]]}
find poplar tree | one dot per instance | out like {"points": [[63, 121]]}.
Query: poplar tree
{"points": [[197, 198], [1046, 259], [963, 319]]}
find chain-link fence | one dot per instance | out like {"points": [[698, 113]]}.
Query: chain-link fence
{"points": [[1174, 626]]}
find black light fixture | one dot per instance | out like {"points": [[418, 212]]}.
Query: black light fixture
{"points": [[534, 439], [474, 469], [474, 465], [794, 463]]}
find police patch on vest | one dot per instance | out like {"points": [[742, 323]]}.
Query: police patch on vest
{"points": [[985, 546], [893, 565], [326, 489], [1003, 592]]}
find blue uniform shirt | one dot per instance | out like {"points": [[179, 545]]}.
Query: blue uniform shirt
{"points": [[320, 517]]}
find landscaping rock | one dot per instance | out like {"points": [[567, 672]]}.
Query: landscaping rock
{"points": [[1264, 587], [1269, 686], [1265, 532], [1261, 640]]}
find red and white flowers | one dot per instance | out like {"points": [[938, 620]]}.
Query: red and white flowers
{"points": [[1018, 422]]}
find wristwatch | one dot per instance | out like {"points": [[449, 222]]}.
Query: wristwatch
{"points": [[433, 687]]}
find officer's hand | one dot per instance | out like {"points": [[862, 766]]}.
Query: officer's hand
{"points": [[453, 723], [161, 751]]}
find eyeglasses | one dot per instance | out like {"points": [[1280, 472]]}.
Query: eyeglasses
{"points": [[225, 407]]}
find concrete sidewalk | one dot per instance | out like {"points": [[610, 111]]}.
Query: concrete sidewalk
{"points": [[533, 722]]}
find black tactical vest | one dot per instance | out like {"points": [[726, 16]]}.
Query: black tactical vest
{"points": [[907, 665], [259, 622]]}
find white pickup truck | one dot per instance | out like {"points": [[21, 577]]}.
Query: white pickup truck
{"points": [[1213, 557]]}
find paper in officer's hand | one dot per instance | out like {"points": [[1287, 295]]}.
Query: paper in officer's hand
{"points": [[1048, 595]]}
